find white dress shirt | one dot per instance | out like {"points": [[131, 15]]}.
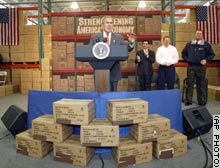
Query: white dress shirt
{"points": [[109, 36], [167, 55], [146, 52]]}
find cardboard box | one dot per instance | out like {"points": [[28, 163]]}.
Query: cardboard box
{"points": [[17, 57], [31, 29], [46, 64], [156, 128], [191, 15], [2, 90], [16, 88], [25, 144], [100, 132], [48, 54], [31, 56], [45, 129], [73, 111], [4, 49], [37, 86], [175, 146], [31, 43], [156, 24], [8, 89], [71, 151], [89, 83], [46, 85], [89, 88], [182, 27], [184, 36], [123, 84], [64, 83], [46, 76], [130, 152], [80, 88], [165, 27], [36, 75], [25, 87], [127, 111], [19, 48], [132, 83], [70, 48], [6, 56], [214, 92], [47, 29], [26, 75], [47, 45]]}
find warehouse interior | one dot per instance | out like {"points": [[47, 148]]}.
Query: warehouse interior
{"points": [[41, 61]]}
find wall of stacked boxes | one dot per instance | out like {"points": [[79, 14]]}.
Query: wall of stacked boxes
{"points": [[24, 73], [67, 35], [150, 135], [69, 30]]}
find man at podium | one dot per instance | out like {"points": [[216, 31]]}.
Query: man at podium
{"points": [[112, 39]]}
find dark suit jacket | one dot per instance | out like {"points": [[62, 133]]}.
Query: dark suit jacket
{"points": [[145, 65], [116, 39]]}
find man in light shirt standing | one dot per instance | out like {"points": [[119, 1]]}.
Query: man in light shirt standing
{"points": [[166, 57]]}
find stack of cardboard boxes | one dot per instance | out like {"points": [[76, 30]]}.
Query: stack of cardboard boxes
{"points": [[34, 78], [6, 90], [57, 129], [27, 145], [129, 112], [27, 52], [148, 136]]}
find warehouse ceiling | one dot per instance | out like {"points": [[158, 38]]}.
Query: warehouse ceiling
{"points": [[100, 5]]}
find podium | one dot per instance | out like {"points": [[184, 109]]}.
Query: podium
{"points": [[102, 66]]}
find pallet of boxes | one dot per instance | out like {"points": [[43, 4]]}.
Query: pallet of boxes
{"points": [[148, 134], [56, 132]]}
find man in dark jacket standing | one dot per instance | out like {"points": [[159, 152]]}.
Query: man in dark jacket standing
{"points": [[197, 53], [112, 39], [145, 58]]}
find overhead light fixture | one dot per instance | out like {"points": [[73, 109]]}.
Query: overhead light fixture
{"points": [[208, 3], [142, 4], [183, 20], [74, 5], [2, 4]]}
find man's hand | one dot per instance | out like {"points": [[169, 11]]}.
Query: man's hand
{"points": [[131, 38], [138, 58], [203, 62]]}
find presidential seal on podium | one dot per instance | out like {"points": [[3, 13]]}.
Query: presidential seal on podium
{"points": [[101, 50]]}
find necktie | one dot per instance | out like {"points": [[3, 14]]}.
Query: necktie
{"points": [[107, 36]]}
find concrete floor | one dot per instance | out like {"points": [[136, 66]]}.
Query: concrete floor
{"points": [[195, 157]]}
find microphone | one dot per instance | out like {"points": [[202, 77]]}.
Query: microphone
{"points": [[104, 39], [97, 40]]}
